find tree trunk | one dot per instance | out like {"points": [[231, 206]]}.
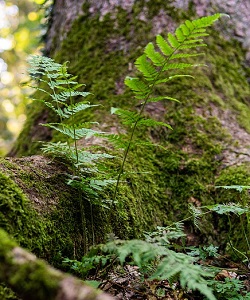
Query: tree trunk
{"points": [[45, 283], [208, 146]]}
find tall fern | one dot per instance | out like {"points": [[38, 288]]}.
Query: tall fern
{"points": [[159, 65]]}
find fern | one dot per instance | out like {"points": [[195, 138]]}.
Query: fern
{"points": [[234, 208], [61, 89], [191, 277], [156, 66], [161, 262]]}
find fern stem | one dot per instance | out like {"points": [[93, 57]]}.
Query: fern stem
{"points": [[54, 93], [245, 235]]}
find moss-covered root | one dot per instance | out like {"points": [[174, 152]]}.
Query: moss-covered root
{"points": [[31, 278]]}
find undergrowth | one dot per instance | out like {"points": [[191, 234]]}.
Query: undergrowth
{"points": [[163, 256]]}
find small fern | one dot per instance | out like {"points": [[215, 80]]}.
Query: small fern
{"points": [[62, 88], [157, 261]]}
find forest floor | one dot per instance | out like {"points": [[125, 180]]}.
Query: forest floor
{"points": [[127, 282]]}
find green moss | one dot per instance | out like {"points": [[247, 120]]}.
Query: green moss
{"points": [[18, 218], [55, 217]]}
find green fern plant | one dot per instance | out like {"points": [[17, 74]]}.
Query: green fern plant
{"points": [[160, 65], [153, 259], [61, 89], [157, 260]]}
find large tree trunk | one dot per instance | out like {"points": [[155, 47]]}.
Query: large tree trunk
{"points": [[209, 144]]}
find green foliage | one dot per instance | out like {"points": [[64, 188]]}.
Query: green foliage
{"points": [[158, 66], [157, 261], [153, 259], [231, 288], [62, 88]]}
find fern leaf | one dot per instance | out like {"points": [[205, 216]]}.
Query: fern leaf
{"points": [[191, 46], [65, 82], [151, 122], [206, 21], [189, 25], [176, 66], [198, 35], [76, 108], [100, 184], [139, 87], [179, 34], [146, 68], [196, 41], [86, 157], [173, 41], [128, 117], [118, 141], [74, 133], [185, 30], [172, 78], [234, 208], [178, 265], [157, 59], [40, 89], [184, 55], [165, 48], [159, 98]]}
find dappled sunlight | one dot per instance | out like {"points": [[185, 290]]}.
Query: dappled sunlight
{"points": [[20, 36]]}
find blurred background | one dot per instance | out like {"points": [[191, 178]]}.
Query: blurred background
{"points": [[22, 26]]}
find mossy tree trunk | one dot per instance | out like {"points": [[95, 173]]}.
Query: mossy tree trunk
{"points": [[209, 144]]}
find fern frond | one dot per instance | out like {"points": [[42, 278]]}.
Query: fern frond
{"points": [[172, 265], [118, 140], [172, 78], [76, 108], [86, 157], [154, 63], [178, 66], [72, 131], [173, 41], [206, 21], [234, 208], [185, 55], [151, 123], [196, 214], [192, 277], [191, 46], [146, 68], [140, 88], [100, 184], [157, 59], [159, 98], [165, 48], [128, 117]]}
